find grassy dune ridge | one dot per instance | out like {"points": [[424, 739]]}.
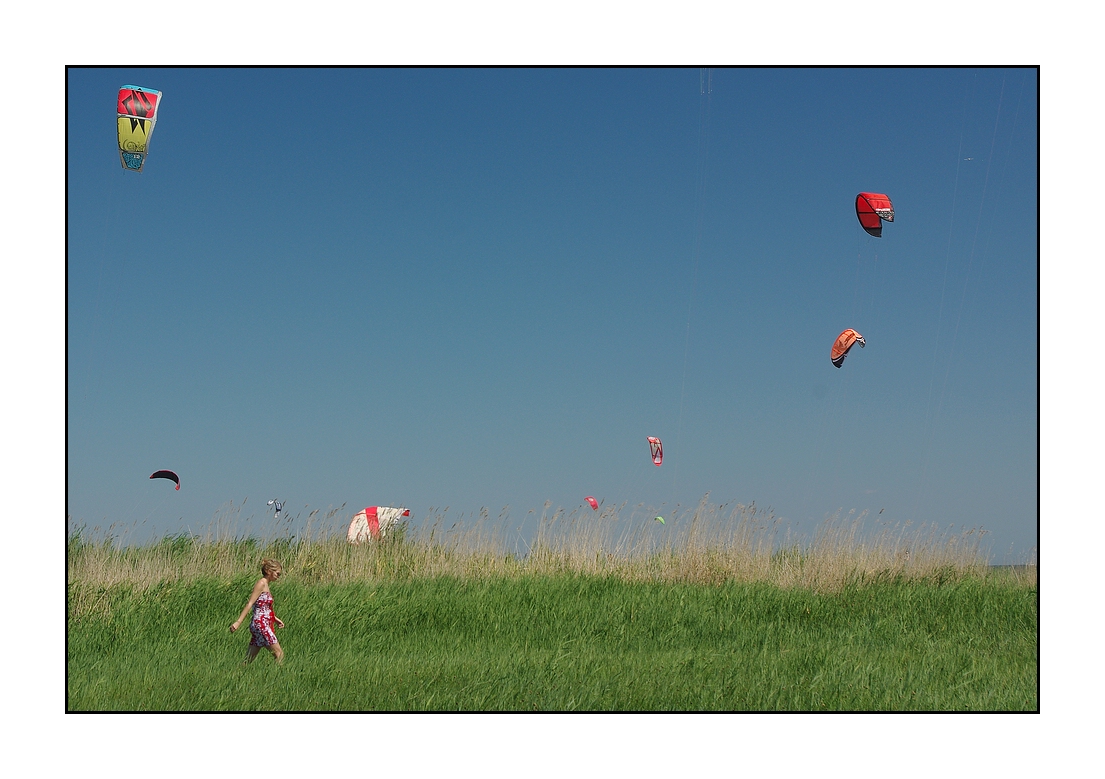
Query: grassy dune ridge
{"points": [[708, 544], [712, 613]]}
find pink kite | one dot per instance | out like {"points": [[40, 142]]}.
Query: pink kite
{"points": [[657, 450]]}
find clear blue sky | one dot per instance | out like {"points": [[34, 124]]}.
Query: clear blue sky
{"points": [[474, 288]]}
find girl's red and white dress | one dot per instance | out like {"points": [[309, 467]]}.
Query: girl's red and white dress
{"points": [[260, 626]]}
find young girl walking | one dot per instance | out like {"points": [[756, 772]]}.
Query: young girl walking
{"points": [[260, 626]]}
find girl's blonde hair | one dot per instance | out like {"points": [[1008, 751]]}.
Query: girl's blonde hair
{"points": [[269, 567]]}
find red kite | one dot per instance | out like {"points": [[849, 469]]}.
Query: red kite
{"points": [[871, 209]]}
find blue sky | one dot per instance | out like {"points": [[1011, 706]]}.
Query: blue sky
{"points": [[473, 288]]}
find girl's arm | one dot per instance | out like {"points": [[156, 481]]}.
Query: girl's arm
{"points": [[249, 605]]}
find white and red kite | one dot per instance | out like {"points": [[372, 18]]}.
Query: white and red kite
{"points": [[374, 522]]}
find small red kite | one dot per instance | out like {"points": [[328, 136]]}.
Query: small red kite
{"points": [[844, 342]]}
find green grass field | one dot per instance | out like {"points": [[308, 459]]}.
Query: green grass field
{"points": [[416, 626], [563, 643]]}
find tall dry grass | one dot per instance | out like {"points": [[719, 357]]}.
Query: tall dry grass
{"points": [[707, 544]]}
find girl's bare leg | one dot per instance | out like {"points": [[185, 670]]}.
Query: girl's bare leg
{"points": [[251, 653], [278, 653]]}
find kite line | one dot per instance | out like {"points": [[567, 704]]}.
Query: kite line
{"points": [[705, 91], [932, 420]]}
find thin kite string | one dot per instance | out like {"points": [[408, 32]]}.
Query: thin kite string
{"points": [[855, 288], [959, 316], [947, 254], [835, 419], [92, 383], [1000, 187], [940, 310], [836, 413], [971, 259], [700, 207]]}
